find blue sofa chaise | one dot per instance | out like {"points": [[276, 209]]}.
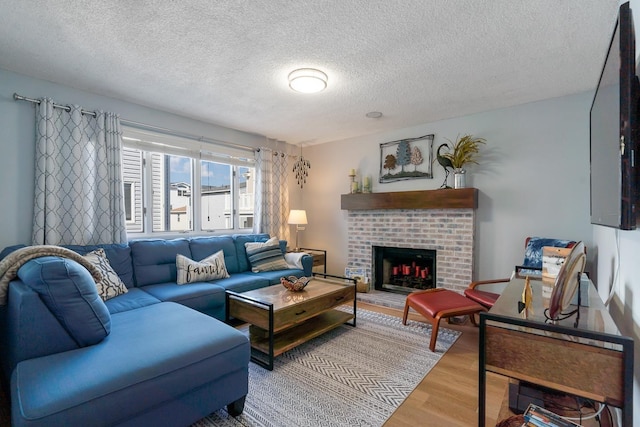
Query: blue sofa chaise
{"points": [[158, 354]]}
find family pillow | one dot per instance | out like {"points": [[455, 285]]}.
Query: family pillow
{"points": [[210, 268], [266, 256]]}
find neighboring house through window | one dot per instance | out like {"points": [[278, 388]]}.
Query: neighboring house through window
{"points": [[178, 185]]}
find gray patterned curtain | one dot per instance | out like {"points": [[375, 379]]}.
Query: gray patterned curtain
{"points": [[78, 186], [272, 194]]}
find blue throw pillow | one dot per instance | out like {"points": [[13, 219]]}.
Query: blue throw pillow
{"points": [[69, 292], [533, 251]]}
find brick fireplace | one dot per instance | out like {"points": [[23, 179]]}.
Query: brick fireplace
{"points": [[448, 231]]}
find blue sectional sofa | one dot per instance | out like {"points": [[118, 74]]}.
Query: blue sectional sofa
{"points": [[158, 354]]}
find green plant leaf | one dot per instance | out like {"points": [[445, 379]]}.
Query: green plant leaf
{"points": [[465, 150]]}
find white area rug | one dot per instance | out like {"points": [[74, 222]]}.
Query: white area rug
{"points": [[346, 377]]}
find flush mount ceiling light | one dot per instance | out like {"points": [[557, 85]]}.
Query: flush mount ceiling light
{"points": [[307, 80], [374, 114]]}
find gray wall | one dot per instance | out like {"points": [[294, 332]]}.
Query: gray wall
{"points": [[533, 180]]}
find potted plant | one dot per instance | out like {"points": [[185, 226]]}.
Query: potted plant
{"points": [[465, 150]]}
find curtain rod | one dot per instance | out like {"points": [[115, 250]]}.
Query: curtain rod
{"points": [[277, 153], [17, 97], [144, 126]]}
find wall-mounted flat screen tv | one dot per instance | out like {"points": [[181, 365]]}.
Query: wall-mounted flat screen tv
{"points": [[614, 132]]}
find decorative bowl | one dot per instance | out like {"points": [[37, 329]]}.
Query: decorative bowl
{"points": [[295, 284]]}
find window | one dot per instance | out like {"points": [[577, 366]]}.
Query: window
{"points": [[128, 201], [215, 196], [172, 181], [132, 177], [179, 187]]}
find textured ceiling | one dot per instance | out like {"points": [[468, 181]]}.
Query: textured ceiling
{"points": [[226, 62]]}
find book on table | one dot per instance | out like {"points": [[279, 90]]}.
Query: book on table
{"points": [[536, 416]]}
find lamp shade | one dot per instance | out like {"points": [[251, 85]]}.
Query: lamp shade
{"points": [[297, 217]]}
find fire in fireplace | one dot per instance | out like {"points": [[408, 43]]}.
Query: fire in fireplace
{"points": [[403, 270]]}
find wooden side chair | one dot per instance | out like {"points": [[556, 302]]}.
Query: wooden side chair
{"points": [[531, 266]]}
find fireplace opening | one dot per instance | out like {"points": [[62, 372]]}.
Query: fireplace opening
{"points": [[403, 270]]}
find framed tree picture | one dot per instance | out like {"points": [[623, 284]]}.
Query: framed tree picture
{"points": [[410, 158]]}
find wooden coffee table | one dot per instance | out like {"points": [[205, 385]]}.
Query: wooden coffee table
{"points": [[281, 320]]}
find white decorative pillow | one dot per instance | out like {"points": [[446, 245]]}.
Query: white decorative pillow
{"points": [[266, 256], [110, 286], [210, 268]]}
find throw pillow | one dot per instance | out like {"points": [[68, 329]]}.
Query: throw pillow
{"points": [[110, 286], [533, 251], [210, 268], [266, 256]]}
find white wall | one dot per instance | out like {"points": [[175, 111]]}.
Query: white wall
{"points": [[533, 180], [17, 141]]}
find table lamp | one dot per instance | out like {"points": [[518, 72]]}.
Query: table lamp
{"points": [[297, 218]]}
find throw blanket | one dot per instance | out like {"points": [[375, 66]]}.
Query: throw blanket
{"points": [[294, 259], [11, 264]]}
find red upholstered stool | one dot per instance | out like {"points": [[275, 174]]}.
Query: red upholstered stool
{"points": [[436, 304]]}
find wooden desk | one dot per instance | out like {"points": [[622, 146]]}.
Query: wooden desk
{"points": [[591, 360]]}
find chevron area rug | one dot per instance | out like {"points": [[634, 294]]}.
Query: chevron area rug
{"points": [[346, 377]]}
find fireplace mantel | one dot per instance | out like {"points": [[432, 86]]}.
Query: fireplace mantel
{"points": [[463, 198]]}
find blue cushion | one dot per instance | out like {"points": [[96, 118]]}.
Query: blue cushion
{"points": [[6, 251], [119, 256], [243, 282], [205, 297], [240, 240], [154, 260], [70, 293], [202, 247], [533, 251], [133, 299], [29, 329]]}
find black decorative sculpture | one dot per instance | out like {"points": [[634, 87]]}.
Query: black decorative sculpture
{"points": [[445, 163]]}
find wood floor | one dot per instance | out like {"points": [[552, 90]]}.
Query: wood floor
{"points": [[447, 396]]}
